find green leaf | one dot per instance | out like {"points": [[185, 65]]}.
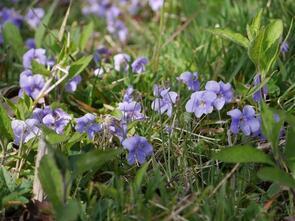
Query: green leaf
{"points": [[70, 212], [231, 35], [254, 27], [290, 149], [271, 129], [40, 32], [38, 68], [53, 138], [86, 34], [13, 38], [9, 180], [51, 180], [107, 191], [276, 175], [242, 154], [64, 23], [78, 66], [5, 124], [263, 50], [139, 175], [92, 160]]}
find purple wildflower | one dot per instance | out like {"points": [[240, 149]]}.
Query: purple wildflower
{"points": [[119, 29], [55, 119], [31, 84], [134, 7], [131, 111], [95, 7], [201, 102], [262, 92], [87, 124], [156, 5], [24, 130], [246, 121], [101, 53], [223, 91], [128, 94], [112, 13], [284, 47], [10, 15], [191, 80], [30, 43], [117, 128], [34, 54], [138, 66], [139, 149], [164, 101], [121, 62], [72, 85], [34, 16]]}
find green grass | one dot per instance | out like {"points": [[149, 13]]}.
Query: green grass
{"points": [[180, 181]]}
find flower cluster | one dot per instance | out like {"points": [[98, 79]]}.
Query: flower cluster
{"points": [[29, 83], [122, 60], [245, 120], [191, 80], [111, 13], [87, 124], [32, 18], [138, 146], [215, 95], [54, 119]]}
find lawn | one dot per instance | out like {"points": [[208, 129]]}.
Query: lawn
{"points": [[147, 110]]}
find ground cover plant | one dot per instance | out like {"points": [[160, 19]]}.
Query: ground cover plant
{"points": [[147, 110]]}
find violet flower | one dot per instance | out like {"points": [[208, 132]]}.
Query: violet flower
{"points": [[131, 111], [201, 102], [164, 101], [55, 119], [100, 53], [121, 62], [245, 121], [30, 43], [24, 130], [31, 84], [118, 28], [128, 94], [87, 124], [156, 5], [138, 66], [191, 80], [262, 92], [117, 128], [72, 85], [10, 15], [284, 47], [223, 91], [34, 16], [34, 54], [139, 149]]}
